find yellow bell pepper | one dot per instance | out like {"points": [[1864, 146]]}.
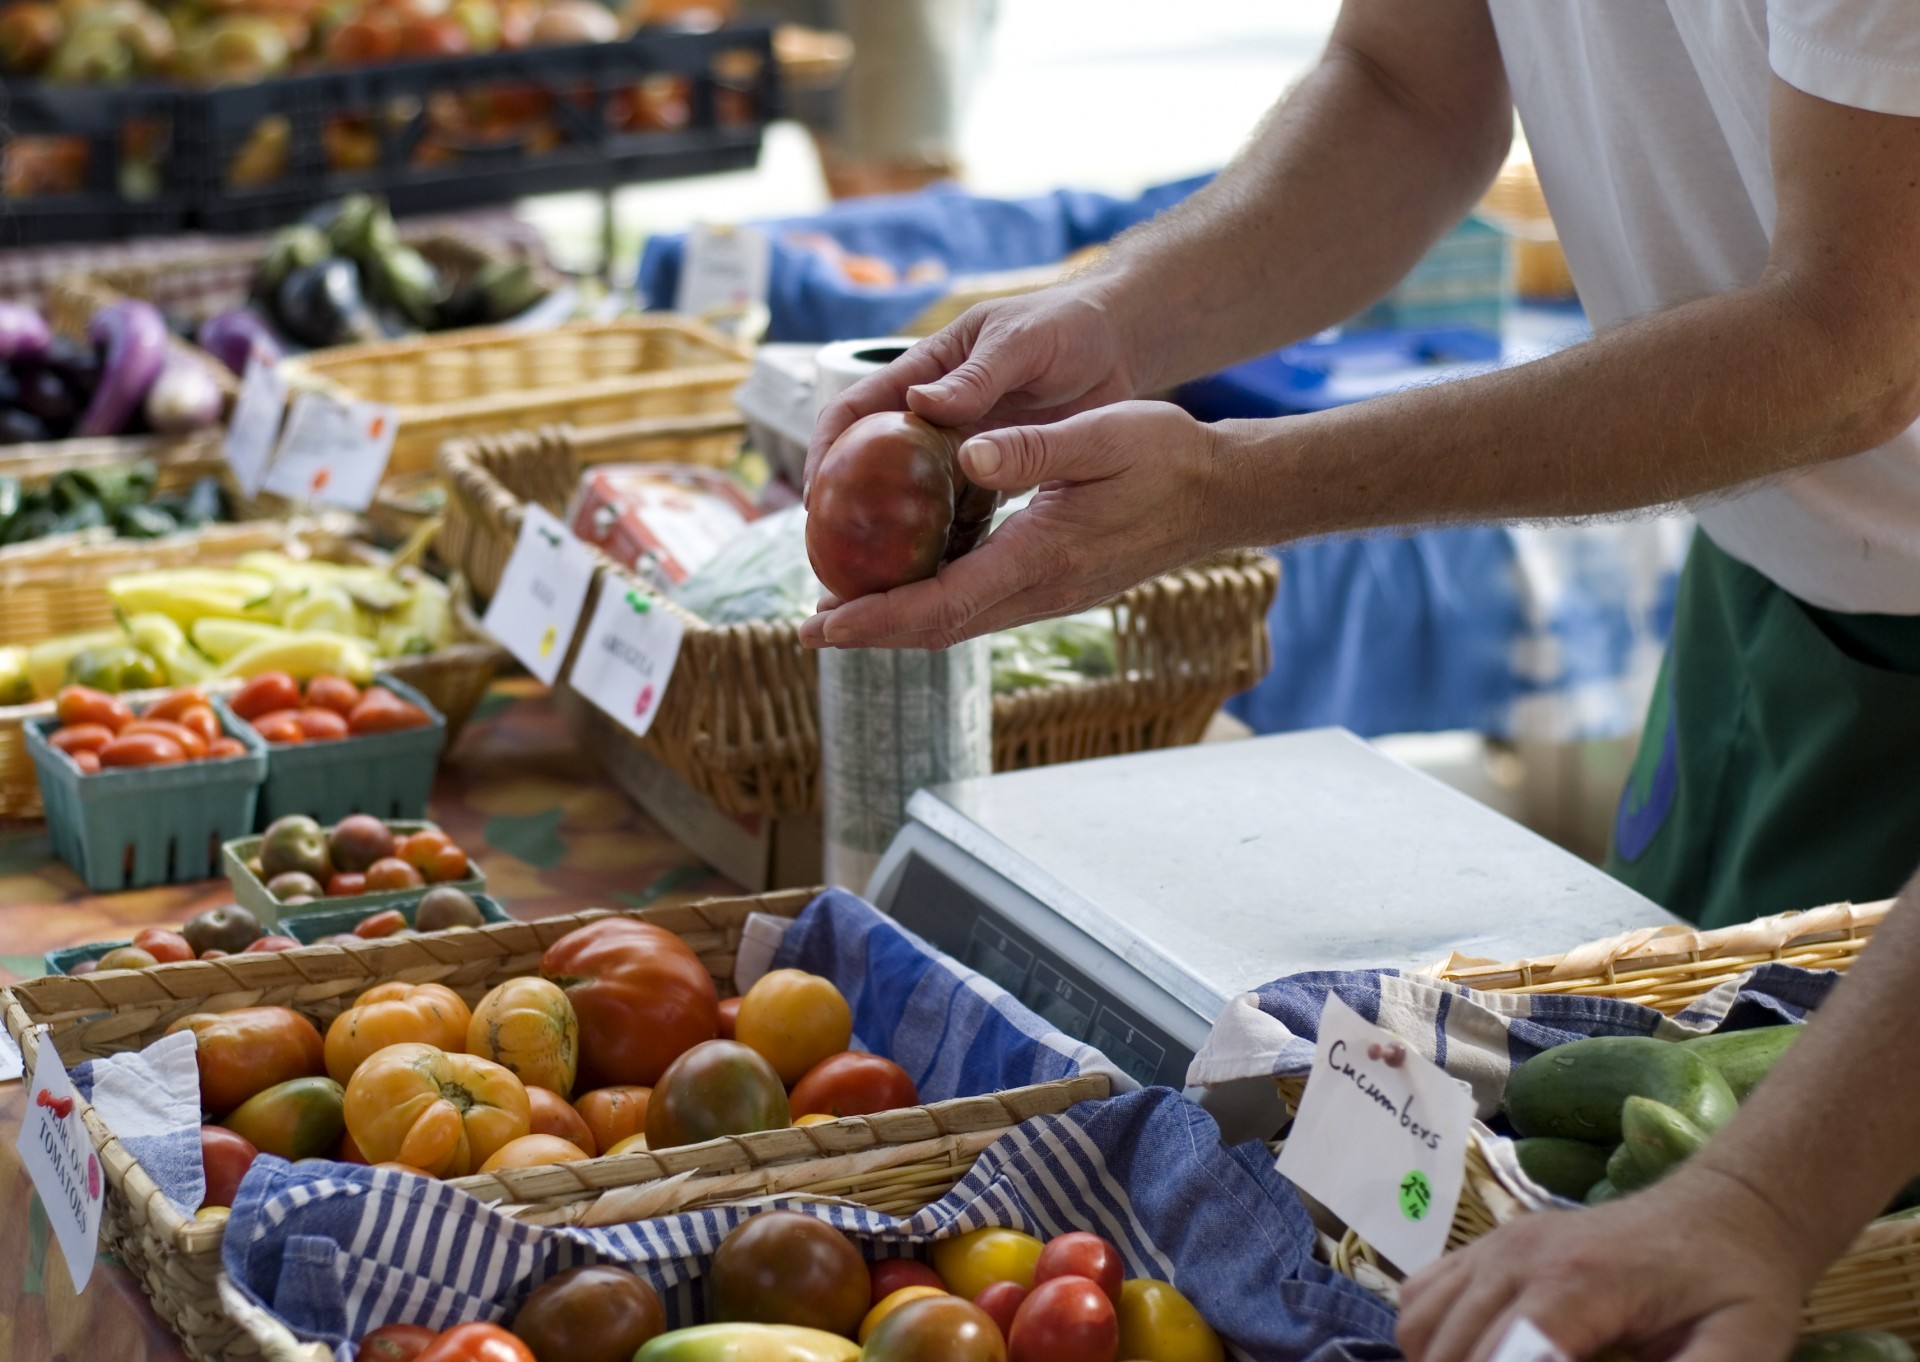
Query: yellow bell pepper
{"points": [[304, 656], [221, 639], [188, 594]]}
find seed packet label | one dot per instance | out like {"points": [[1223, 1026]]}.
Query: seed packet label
{"points": [[627, 656], [255, 426], [724, 269], [542, 592], [59, 1157], [1523, 1342], [333, 453], [1381, 1138]]}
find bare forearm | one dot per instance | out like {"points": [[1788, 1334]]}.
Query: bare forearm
{"points": [[1335, 198], [1701, 398]]}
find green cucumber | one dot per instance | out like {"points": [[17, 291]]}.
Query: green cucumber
{"points": [[1656, 1139], [1853, 1345], [1575, 1090], [1744, 1057], [1602, 1192], [1567, 1168]]}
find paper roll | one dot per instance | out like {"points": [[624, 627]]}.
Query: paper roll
{"points": [[843, 363]]}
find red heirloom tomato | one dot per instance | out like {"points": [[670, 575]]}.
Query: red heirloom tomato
{"points": [[729, 1018], [224, 1157], [889, 504], [1068, 1319], [249, 1050], [395, 1343], [717, 1088], [853, 1084], [1080, 1254], [476, 1343], [590, 1314], [163, 944], [642, 996], [782, 1267], [890, 1274]]}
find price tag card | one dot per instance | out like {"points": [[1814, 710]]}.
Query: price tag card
{"points": [[541, 594], [1381, 1138], [58, 1155], [627, 656], [1525, 1343], [256, 424], [333, 453], [724, 269]]}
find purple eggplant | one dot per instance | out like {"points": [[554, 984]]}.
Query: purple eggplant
{"points": [[184, 398], [235, 336], [135, 337], [24, 334]]}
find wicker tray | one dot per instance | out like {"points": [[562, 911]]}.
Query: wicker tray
{"points": [[178, 1259], [496, 379], [741, 723], [1875, 1284]]}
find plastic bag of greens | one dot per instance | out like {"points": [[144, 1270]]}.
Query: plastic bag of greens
{"points": [[761, 574]]}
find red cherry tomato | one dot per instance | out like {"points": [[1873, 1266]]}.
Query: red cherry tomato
{"points": [[271, 943], [890, 1274], [88, 762], [85, 705], [1068, 1319], [344, 883], [394, 1342], [477, 1343], [166, 946], [190, 742], [380, 924], [381, 711], [1002, 1301], [281, 726], [80, 738], [1080, 1254], [333, 692], [264, 694], [142, 749], [225, 1157], [225, 747], [200, 718], [321, 725], [172, 706]]}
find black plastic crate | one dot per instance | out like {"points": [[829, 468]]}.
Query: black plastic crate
{"points": [[105, 206]]}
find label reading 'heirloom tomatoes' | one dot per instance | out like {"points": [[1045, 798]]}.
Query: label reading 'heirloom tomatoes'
{"points": [[1381, 1138], [542, 592], [58, 1155], [627, 656]]}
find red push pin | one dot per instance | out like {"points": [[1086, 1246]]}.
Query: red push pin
{"points": [[1393, 1054]]}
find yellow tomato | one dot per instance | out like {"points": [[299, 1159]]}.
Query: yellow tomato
{"points": [[444, 1114], [633, 1144], [390, 1014], [529, 1026], [1158, 1324], [794, 1020], [816, 1118], [975, 1261], [893, 1301]]}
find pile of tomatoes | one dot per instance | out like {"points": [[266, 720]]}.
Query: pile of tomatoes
{"points": [[621, 1043], [301, 862], [330, 708], [100, 732], [786, 1287]]}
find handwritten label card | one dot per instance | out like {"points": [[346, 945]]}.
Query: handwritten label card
{"points": [[334, 453], [724, 269], [255, 426], [1381, 1138], [1525, 1343], [627, 656], [58, 1155], [541, 594]]}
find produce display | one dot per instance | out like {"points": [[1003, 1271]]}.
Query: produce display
{"points": [[327, 708], [98, 732], [301, 862], [123, 378], [119, 497]]}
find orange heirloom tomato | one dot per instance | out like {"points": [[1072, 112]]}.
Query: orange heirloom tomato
{"points": [[531, 1151], [528, 1025], [418, 849], [249, 1050], [162, 944], [554, 1115], [449, 864], [388, 1014], [445, 1114], [795, 1020], [142, 749], [320, 725], [612, 1114], [88, 762], [282, 726], [225, 747]]}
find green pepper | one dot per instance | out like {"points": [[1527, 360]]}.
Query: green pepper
{"points": [[205, 503], [35, 522], [88, 515], [113, 486], [115, 669]]}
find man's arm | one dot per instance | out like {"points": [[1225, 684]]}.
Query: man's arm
{"points": [[1711, 1264]]}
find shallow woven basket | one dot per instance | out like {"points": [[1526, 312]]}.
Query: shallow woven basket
{"points": [[740, 723], [1875, 1284], [468, 383], [916, 1153]]}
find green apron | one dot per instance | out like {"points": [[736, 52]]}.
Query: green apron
{"points": [[1780, 766]]}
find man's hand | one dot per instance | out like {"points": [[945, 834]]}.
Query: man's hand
{"points": [[1696, 1269], [1026, 361], [1124, 496]]}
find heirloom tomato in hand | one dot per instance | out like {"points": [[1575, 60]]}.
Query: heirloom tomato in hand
{"points": [[528, 1025], [641, 995], [936, 1329], [782, 1267], [888, 504], [248, 1050], [853, 1084], [445, 1114], [590, 1314], [717, 1088], [390, 1013]]}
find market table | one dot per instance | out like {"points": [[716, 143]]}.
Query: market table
{"points": [[552, 835]]}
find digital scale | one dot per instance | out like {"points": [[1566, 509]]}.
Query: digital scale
{"points": [[1129, 899]]}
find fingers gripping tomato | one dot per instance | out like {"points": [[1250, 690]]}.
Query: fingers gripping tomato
{"points": [[248, 1050], [388, 1014], [443, 1113], [641, 995]]}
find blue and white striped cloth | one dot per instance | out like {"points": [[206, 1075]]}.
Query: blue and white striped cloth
{"points": [[150, 1099], [336, 1249], [1477, 1037]]}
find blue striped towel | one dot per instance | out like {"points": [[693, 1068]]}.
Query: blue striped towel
{"points": [[151, 1100], [336, 1249]]}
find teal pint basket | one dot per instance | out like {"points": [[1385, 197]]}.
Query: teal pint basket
{"points": [[144, 825], [1464, 280], [389, 775], [251, 894]]}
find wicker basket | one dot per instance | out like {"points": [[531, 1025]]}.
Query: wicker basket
{"points": [[178, 1258], [1875, 1284], [497, 379], [741, 724]]}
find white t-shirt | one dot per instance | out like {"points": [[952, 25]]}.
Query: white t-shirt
{"points": [[1648, 125]]}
